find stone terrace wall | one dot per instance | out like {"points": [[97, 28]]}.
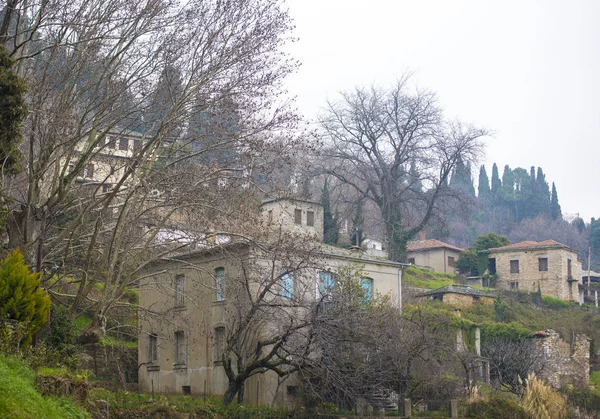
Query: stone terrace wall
{"points": [[112, 363], [564, 362]]}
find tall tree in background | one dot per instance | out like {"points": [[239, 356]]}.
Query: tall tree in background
{"points": [[496, 182], [483, 187], [373, 135], [555, 210], [461, 179], [331, 230], [12, 114]]}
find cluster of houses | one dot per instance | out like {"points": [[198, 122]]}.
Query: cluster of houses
{"points": [[182, 328]]}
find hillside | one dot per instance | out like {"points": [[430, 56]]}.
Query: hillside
{"points": [[416, 277], [19, 397]]}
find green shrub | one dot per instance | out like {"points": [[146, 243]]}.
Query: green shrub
{"points": [[60, 334], [555, 303], [586, 400], [496, 407], [21, 298]]}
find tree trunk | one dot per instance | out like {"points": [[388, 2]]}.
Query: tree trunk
{"points": [[232, 390]]}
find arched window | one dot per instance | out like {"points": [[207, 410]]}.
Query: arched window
{"points": [[367, 285], [220, 280]]}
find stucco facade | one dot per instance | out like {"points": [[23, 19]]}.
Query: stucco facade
{"points": [[433, 254], [192, 299], [552, 266]]}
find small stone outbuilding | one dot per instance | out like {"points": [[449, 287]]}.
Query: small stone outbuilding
{"points": [[460, 295]]}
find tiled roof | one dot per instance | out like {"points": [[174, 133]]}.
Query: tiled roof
{"points": [[423, 245], [459, 289], [526, 245]]}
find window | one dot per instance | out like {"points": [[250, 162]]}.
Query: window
{"points": [[136, 145], [450, 262], [152, 348], [514, 266], [543, 264], [106, 187], [411, 261], [112, 142], [287, 285], [514, 285], [310, 218], [180, 348], [123, 144], [179, 290], [569, 269], [492, 265], [219, 343], [220, 280], [326, 284], [298, 216], [89, 170], [367, 285]]}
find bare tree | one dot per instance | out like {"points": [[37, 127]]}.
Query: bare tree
{"points": [[395, 148], [145, 71], [511, 361]]}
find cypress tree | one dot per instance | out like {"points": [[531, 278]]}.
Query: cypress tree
{"points": [[542, 193], [330, 228], [555, 210], [496, 183], [461, 178], [12, 113], [483, 188]]}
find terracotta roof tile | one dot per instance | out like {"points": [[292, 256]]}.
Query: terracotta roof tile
{"points": [[422, 245], [530, 244]]}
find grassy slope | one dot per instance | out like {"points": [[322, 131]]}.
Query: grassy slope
{"points": [[534, 315], [19, 397], [424, 278]]}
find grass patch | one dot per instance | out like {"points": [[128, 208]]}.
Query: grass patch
{"points": [[111, 340], [19, 398], [162, 405], [424, 278], [82, 322]]}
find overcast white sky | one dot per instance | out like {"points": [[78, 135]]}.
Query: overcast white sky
{"points": [[528, 70]]}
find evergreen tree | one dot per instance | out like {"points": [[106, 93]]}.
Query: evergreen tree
{"points": [[496, 183], [330, 228], [555, 210], [21, 297], [483, 188], [461, 179], [12, 113], [415, 179], [542, 193]]}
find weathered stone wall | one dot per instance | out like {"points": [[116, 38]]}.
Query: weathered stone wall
{"points": [[553, 282], [563, 362], [112, 362], [458, 299], [280, 214]]}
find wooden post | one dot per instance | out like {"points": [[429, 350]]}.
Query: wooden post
{"points": [[407, 408], [454, 409]]}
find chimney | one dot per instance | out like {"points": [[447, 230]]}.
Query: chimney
{"points": [[422, 235]]}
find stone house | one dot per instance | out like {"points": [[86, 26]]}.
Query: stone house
{"points": [[459, 295], [189, 303], [110, 158], [433, 254], [549, 265]]}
